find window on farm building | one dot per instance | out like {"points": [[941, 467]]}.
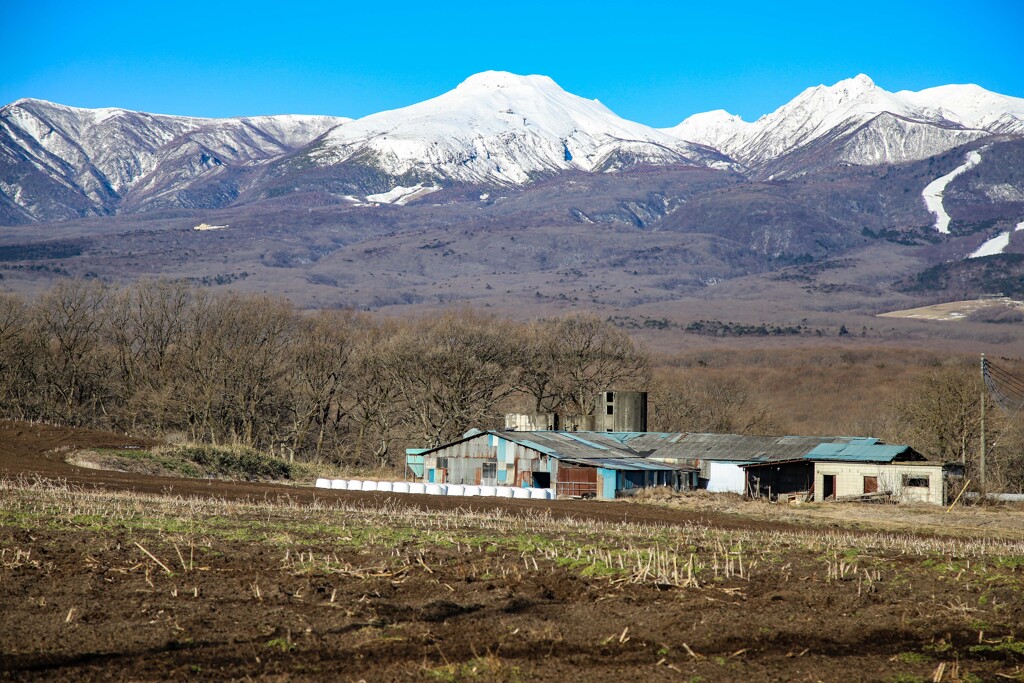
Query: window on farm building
{"points": [[915, 481], [442, 463], [490, 470], [610, 396], [611, 410]]}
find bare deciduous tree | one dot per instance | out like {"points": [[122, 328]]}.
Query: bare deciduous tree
{"points": [[451, 372], [702, 404]]}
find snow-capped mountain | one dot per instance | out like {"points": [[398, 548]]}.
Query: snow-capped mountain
{"points": [[500, 128], [495, 129], [709, 128], [90, 160], [861, 124]]}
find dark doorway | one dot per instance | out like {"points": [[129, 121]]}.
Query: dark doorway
{"points": [[828, 486], [542, 480]]}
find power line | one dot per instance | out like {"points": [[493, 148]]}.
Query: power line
{"points": [[1006, 389]]}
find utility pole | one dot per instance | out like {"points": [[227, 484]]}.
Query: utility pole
{"points": [[984, 390]]}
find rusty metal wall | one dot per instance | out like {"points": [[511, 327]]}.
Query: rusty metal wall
{"points": [[576, 481]]}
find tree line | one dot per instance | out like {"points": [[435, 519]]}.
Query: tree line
{"points": [[171, 360], [165, 358]]}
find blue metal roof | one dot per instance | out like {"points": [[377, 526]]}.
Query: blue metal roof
{"points": [[859, 452]]}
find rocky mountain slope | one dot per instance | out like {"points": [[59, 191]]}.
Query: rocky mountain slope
{"points": [[60, 162]]}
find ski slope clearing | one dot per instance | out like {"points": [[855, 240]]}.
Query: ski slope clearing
{"points": [[996, 245], [934, 191]]}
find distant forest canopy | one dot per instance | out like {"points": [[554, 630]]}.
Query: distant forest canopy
{"points": [[167, 359]]}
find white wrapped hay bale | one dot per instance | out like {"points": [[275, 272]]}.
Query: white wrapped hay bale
{"points": [[538, 494], [400, 487], [340, 484], [520, 493], [505, 492], [436, 489], [323, 483], [471, 490], [456, 490], [488, 491], [417, 487], [385, 486]]}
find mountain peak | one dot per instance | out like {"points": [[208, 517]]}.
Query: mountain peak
{"points": [[503, 128], [503, 79], [860, 88], [862, 80], [708, 128]]}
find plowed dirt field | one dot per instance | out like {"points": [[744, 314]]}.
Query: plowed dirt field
{"points": [[109, 576]]}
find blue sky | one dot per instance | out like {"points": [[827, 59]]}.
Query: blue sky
{"points": [[651, 62]]}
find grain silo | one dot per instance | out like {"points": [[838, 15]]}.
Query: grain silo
{"points": [[621, 411]]}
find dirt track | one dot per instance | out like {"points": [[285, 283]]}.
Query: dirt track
{"points": [[85, 595]]}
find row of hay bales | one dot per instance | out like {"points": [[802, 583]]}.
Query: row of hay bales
{"points": [[435, 489]]}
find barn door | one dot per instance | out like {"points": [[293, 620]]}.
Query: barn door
{"points": [[579, 482]]}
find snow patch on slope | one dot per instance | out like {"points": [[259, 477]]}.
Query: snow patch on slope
{"points": [[401, 195], [996, 245], [934, 191]]}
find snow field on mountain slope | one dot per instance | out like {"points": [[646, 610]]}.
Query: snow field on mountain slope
{"points": [[933, 192]]}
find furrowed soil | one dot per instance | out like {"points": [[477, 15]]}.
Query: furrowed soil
{"points": [[111, 576]]}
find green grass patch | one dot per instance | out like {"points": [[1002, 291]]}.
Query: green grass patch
{"points": [[1006, 649]]}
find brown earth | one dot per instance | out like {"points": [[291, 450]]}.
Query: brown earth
{"points": [[82, 599]]}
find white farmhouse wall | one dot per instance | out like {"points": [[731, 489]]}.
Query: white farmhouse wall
{"points": [[726, 477], [850, 480]]}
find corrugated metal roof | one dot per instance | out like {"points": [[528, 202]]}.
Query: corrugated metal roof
{"points": [[859, 452], [583, 441], [674, 448], [743, 448]]}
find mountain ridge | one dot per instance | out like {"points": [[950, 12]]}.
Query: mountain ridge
{"points": [[822, 110], [493, 130]]}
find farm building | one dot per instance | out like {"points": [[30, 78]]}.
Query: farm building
{"points": [[613, 464], [615, 455], [721, 457], [575, 464], [862, 468]]}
